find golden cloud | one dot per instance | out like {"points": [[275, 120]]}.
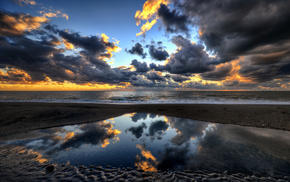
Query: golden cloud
{"points": [[67, 44], [14, 76], [18, 24], [147, 26], [149, 11], [109, 49]]}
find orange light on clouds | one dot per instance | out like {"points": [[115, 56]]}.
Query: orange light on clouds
{"points": [[234, 75], [200, 32], [147, 26], [67, 44], [52, 13], [21, 24], [109, 49], [149, 11]]}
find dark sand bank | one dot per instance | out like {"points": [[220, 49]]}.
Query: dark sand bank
{"points": [[22, 117]]}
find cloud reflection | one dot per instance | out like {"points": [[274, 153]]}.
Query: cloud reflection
{"points": [[185, 144], [149, 164]]}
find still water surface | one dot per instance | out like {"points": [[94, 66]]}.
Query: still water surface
{"points": [[151, 142]]}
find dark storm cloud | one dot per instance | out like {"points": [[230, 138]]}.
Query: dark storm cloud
{"points": [[138, 130], [139, 66], [137, 49], [234, 28], [219, 73], [172, 21], [158, 54], [29, 55], [91, 44], [190, 58], [265, 67]]}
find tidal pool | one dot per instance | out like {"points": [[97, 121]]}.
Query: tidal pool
{"points": [[151, 142]]}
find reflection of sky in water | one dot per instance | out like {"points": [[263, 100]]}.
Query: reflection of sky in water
{"points": [[152, 143]]}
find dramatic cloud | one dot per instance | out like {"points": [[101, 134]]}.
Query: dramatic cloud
{"points": [[42, 59], [258, 30], [137, 49], [95, 45], [241, 45], [190, 58], [158, 54], [267, 67], [14, 76], [148, 13], [15, 24], [172, 21], [219, 73]]}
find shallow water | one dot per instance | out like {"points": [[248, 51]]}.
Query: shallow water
{"points": [[151, 142]]}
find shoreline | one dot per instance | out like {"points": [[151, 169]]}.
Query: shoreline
{"points": [[21, 117]]}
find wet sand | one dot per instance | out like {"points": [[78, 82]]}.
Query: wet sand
{"points": [[18, 118], [17, 164]]}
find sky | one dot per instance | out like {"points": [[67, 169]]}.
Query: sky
{"points": [[223, 45]]}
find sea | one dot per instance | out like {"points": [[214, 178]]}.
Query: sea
{"points": [[150, 97]]}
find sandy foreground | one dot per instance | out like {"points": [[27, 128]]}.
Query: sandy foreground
{"points": [[16, 118]]}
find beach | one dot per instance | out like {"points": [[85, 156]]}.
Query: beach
{"points": [[20, 120], [20, 117]]}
